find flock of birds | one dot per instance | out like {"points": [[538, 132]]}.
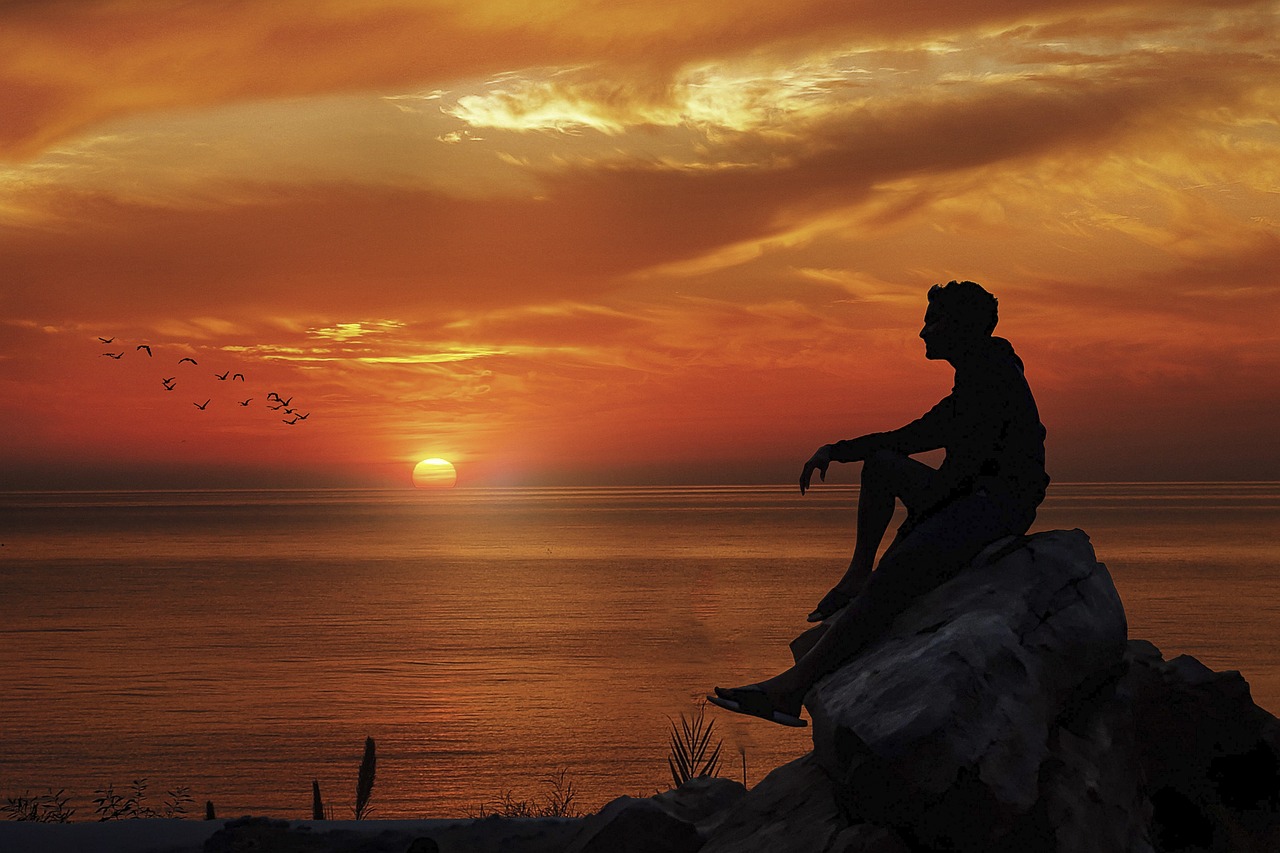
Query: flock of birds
{"points": [[274, 401]]}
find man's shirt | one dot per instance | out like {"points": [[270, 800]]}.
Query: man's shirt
{"points": [[988, 425]]}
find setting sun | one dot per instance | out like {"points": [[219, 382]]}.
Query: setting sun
{"points": [[434, 473]]}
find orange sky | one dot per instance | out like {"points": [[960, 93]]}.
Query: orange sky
{"points": [[569, 242]]}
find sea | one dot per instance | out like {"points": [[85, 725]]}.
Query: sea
{"points": [[497, 644]]}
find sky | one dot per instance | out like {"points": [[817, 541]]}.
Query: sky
{"points": [[590, 242]]}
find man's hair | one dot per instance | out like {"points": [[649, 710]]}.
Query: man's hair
{"points": [[966, 303]]}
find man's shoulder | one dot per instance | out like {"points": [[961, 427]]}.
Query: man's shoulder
{"points": [[999, 351], [995, 354], [999, 345]]}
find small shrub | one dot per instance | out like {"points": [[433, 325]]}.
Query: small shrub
{"points": [[50, 807], [113, 806], [177, 802]]}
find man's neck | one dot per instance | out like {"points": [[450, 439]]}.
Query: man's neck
{"points": [[969, 353]]}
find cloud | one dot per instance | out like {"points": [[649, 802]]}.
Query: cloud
{"points": [[591, 223], [66, 66]]}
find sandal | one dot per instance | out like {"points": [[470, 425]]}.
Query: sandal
{"points": [[753, 701]]}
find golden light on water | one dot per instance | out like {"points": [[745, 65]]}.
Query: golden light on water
{"points": [[434, 473]]}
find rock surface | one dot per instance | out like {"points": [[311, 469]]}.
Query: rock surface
{"points": [[943, 726], [1006, 711]]}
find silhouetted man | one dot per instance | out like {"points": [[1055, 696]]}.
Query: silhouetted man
{"points": [[988, 487]]}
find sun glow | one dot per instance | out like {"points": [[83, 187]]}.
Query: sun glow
{"points": [[434, 473]]}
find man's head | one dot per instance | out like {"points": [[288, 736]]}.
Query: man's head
{"points": [[960, 313]]}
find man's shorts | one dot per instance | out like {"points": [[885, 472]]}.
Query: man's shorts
{"points": [[935, 548]]}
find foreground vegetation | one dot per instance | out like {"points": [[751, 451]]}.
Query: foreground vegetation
{"points": [[52, 806], [691, 754]]}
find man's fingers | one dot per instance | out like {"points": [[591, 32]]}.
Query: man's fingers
{"points": [[819, 463]]}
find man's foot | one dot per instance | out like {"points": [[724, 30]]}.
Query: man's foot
{"points": [[831, 604], [754, 701]]}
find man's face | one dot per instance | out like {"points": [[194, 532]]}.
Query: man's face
{"points": [[941, 337]]}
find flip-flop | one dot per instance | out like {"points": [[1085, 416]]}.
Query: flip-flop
{"points": [[754, 702]]}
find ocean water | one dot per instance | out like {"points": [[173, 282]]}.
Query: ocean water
{"points": [[242, 644]]}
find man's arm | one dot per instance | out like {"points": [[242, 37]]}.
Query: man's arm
{"points": [[928, 432]]}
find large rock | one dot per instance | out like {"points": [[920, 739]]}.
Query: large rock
{"points": [[635, 825], [674, 821], [947, 719], [1210, 756], [1006, 711]]}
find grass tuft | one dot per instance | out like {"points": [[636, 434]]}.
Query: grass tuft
{"points": [[692, 756], [559, 801]]}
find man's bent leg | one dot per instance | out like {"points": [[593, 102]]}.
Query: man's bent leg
{"points": [[886, 477], [937, 549]]}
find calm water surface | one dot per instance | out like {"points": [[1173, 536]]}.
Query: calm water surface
{"points": [[245, 643]]}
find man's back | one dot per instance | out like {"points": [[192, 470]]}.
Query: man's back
{"points": [[995, 434]]}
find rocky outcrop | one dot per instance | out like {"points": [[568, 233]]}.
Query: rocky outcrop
{"points": [[947, 721], [674, 821], [1210, 756], [1006, 711]]}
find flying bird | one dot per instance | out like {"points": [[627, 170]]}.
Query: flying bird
{"points": [[284, 402], [289, 411], [201, 406], [273, 396], [167, 381], [222, 376], [304, 417], [145, 347], [246, 402], [294, 421], [276, 408], [106, 340], [239, 376], [115, 355], [192, 360]]}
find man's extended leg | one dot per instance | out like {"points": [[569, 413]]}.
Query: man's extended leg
{"points": [[935, 550], [886, 478]]}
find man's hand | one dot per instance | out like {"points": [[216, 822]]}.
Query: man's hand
{"points": [[817, 462]]}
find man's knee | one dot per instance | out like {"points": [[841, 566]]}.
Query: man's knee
{"points": [[884, 467], [888, 472]]}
